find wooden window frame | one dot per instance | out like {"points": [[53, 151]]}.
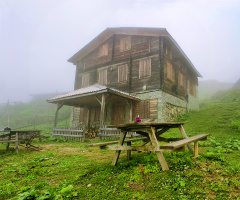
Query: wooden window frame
{"points": [[103, 50], [85, 80], [102, 76], [170, 71], [181, 79], [192, 88], [145, 68], [125, 44], [123, 73]]}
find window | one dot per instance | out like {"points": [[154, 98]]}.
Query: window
{"points": [[125, 43], [145, 68], [122, 73], [170, 72], [168, 52], [181, 80], [102, 76], [85, 80], [103, 50], [192, 88]]}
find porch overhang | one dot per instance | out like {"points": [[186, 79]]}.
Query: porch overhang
{"points": [[91, 95]]}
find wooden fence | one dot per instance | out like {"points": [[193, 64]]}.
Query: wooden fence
{"points": [[76, 134], [112, 133]]}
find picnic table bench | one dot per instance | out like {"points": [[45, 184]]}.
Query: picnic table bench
{"points": [[20, 137], [152, 132]]}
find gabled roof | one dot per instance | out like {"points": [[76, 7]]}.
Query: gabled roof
{"points": [[85, 95], [107, 33]]}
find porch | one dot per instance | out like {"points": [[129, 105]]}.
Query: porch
{"points": [[95, 107]]}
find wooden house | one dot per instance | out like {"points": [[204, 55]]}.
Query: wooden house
{"points": [[126, 72]]}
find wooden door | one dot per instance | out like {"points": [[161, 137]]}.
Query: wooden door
{"points": [[118, 114]]}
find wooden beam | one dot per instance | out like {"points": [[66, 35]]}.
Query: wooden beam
{"points": [[103, 102], [114, 142], [120, 143], [98, 100], [155, 143], [195, 149], [183, 142], [108, 98], [59, 106], [185, 136]]}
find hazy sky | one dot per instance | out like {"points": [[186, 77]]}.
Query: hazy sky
{"points": [[38, 36]]}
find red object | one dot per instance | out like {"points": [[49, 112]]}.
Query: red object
{"points": [[109, 178], [138, 119]]}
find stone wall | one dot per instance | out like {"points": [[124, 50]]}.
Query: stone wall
{"points": [[169, 106]]}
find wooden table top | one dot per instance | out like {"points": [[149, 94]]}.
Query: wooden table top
{"points": [[148, 124]]}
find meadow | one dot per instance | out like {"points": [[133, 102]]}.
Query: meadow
{"points": [[70, 170]]}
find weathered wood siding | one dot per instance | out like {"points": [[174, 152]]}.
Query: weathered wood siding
{"points": [[181, 80], [141, 47], [148, 83]]}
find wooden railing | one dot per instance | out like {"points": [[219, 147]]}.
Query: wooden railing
{"points": [[76, 134], [112, 133]]}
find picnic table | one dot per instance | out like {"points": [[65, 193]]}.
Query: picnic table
{"points": [[21, 137], [151, 132]]}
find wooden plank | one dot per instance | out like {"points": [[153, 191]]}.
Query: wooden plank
{"points": [[128, 151], [67, 130], [16, 142], [185, 136], [195, 149], [114, 142], [67, 135], [183, 142], [120, 143], [139, 148], [160, 156]]}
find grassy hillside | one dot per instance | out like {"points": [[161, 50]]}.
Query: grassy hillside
{"points": [[207, 88], [37, 114], [70, 170], [218, 115]]}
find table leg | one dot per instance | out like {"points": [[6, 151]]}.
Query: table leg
{"points": [[128, 151], [16, 142], [184, 135], [195, 149], [160, 155], [120, 143]]}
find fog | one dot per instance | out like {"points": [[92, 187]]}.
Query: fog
{"points": [[37, 37]]}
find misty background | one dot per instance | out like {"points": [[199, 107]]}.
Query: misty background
{"points": [[38, 37]]}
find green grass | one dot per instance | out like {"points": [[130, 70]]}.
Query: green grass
{"points": [[32, 114], [69, 170]]}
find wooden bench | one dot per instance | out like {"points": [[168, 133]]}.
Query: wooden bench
{"points": [[181, 143], [104, 144]]}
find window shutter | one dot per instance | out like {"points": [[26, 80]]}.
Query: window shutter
{"points": [[145, 68], [85, 80], [102, 77], [122, 73]]}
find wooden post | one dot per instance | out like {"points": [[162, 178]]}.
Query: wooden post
{"points": [[88, 118], [160, 155], [16, 142], [131, 111], [102, 110], [120, 143], [195, 149], [59, 105], [184, 135], [128, 151]]}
